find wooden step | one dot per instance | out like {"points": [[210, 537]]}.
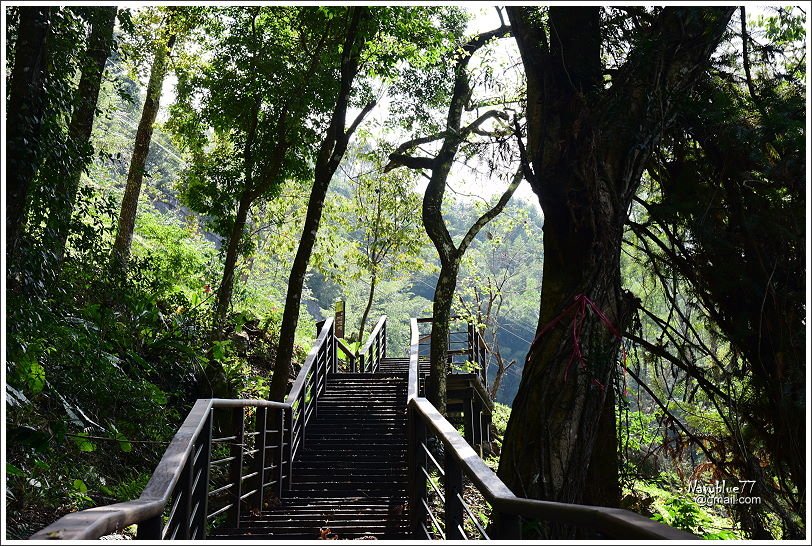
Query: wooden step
{"points": [[350, 474]]}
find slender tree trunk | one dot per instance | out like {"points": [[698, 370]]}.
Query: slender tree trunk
{"points": [[232, 252], [440, 166], [587, 146], [440, 326], [371, 298], [25, 112], [290, 317], [331, 152], [81, 127], [143, 137]]}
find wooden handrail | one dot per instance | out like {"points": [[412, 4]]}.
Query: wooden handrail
{"points": [[296, 389], [613, 522], [367, 361], [102, 520], [147, 510], [372, 335]]}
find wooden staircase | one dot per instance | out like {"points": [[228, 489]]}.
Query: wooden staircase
{"points": [[345, 456], [350, 479]]}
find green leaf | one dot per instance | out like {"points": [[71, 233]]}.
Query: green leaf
{"points": [[123, 443], [12, 470], [41, 465], [83, 443], [80, 486], [31, 373], [218, 350]]}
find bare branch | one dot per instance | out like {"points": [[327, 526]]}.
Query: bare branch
{"points": [[403, 160], [359, 118], [492, 213]]}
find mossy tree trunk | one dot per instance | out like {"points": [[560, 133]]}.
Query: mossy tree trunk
{"points": [[331, 152], [80, 129], [587, 146], [143, 138], [25, 112]]}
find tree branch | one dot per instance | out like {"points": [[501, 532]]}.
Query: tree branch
{"points": [[403, 160], [359, 118], [492, 213]]}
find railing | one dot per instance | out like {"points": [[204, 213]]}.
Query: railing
{"points": [[445, 473], [467, 351], [309, 384], [349, 357], [370, 355], [204, 481]]}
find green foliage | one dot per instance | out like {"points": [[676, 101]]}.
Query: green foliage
{"points": [[656, 500]]}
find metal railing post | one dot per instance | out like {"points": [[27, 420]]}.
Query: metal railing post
{"points": [[259, 462], [506, 527], [235, 469], [150, 529], [203, 503], [288, 451], [185, 507], [453, 492], [280, 452], [416, 461]]}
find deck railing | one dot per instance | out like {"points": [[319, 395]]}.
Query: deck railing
{"points": [[467, 351], [203, 481], [370, 355], [440, 463]]}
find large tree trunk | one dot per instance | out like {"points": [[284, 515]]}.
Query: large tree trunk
{"points": [[603, 473], [232, 252], [331, 152], [24, 117], [587, 145], [99, 44], [143, 137], [373, 280]]}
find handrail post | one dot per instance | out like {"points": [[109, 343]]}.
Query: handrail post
{"points": [[334, 360], [150, 529], [453, 505], [185, 507], [506, 527], [280, 452], [203, 503], [235, 471], [416, 460], [288, 451], [303, 414], [259, 461], [472, 353], [314, 392]]}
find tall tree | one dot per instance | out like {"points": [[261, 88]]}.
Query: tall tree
{"points": [[143, 136], [588, 141], [384, 214], [25, 112], [401, 43], [331, 152], [452, 137], [99, 43], [281, 60]]}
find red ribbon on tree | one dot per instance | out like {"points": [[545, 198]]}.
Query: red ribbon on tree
{"points": [[579, 307]]}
